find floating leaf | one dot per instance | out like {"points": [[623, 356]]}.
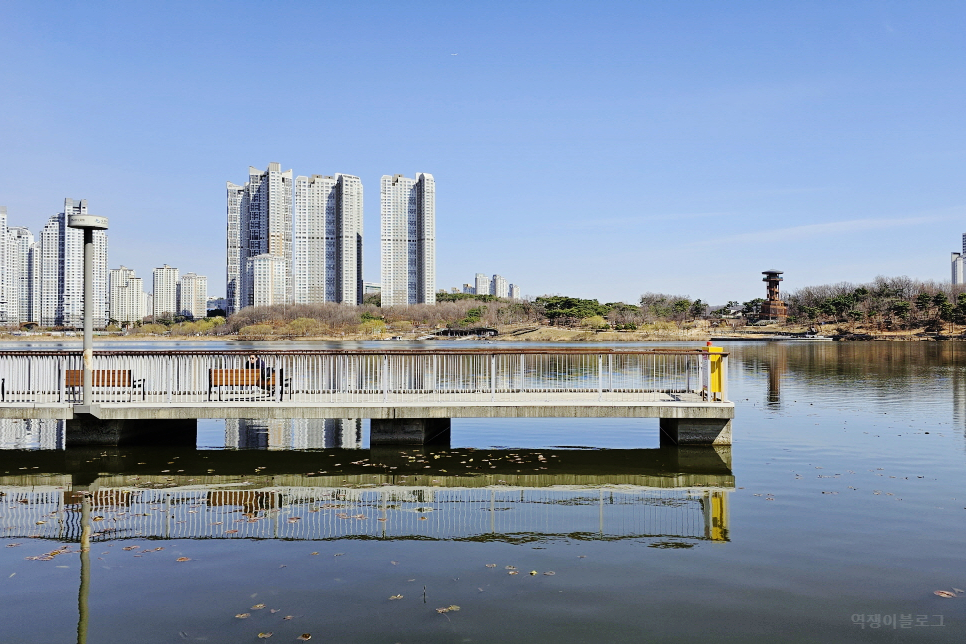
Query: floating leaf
{"points": [[231, 531], [533, 573], [264, 636], [183, 559], [549, 573], [513, 572], [396, 597], [258, 606], [294, 519], [511, 568], [313, 553], [944, 593], [274, 610], [287, 617], [491, 565], [422, 518], [97, 519], [243, 615], [959, 590], [304, 637]]}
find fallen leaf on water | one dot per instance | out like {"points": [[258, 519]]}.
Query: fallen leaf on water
{"points": [[550, 572], [381, 519], [396, 597], [97, 519], [959, 590], [183, 559], [258, 606], [294, 519], [511, 568], [243, 615], [422, 518], [313, 553], [264, 636], [288, 617], [274, 610], [304, 636], [491, 565], [533, 573], [12, 545], [395, 563], [513, 572], [944, 593], [231, 531]]}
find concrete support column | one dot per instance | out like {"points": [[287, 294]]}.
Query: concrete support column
{"points": [[87, 430], [409, 431], [696, 431]]}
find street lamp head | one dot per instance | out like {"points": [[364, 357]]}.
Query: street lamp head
{"points": [[87, 221]]}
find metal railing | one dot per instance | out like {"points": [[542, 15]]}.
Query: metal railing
{"points": [[369, 376]]}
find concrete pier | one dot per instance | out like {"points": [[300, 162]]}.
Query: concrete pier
{"points": [[696, 431], [409, 431], [86, 430]]}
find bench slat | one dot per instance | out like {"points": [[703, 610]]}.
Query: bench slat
{"points": [[100, 378]]}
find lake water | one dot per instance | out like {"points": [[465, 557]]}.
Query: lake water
{"points": [[835, 516]]}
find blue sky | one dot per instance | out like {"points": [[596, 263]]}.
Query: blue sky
{"points": [[591, 149]]}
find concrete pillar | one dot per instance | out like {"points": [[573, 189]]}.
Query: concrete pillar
{"points": [[409, 431], [85, 429], [696, 431]]}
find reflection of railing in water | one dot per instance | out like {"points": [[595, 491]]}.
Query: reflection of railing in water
{"points": [[493, 513]]}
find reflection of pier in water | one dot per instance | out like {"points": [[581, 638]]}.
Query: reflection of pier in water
{"points": [[640, 494]]}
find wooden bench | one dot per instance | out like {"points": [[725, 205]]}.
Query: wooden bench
{"points": [[104, 378], [263, 378]]}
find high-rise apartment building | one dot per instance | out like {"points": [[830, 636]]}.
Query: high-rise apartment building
{"points": [[23, 262], [515, 292], [193, 296], [499, 286], [128, 301], [165, 291], [482, 284], [269, 279], [259, 223], [8, 299], [957, 260], [328, 239], [62, 271], [408, 239]]}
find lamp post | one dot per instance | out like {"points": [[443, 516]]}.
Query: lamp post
{"points": [[88, 223]]}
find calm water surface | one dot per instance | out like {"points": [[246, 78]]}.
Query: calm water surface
{"points": [[843, 497]]}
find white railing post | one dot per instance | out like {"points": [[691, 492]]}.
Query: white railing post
{"points": [[600, 377], [385, 378], [724, 379], [492, 377]]}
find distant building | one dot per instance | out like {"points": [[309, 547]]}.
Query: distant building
{"points": [[482, 286], [328, 239], [23, 269], [469, 288], [259, 223], [371, 288], [958, 274], [499, 286], [127, 299], [193, 296], [165, 292], [408, 239], [269, 279], [515, 292], [62, 271], [217, 303]]}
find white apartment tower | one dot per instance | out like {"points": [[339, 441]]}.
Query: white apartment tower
{"points": [[128, 301], [62, 271], [259, 223], [499, 286], [328, 239], [165, 292], [482, 284], [269, 275], [408, 239], [515, 292], [957, 260], [8, 298], [193, 296], [23, 263]]}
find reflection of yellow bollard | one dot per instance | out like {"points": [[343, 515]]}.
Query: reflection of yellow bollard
{"points": [[719, 516]]}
